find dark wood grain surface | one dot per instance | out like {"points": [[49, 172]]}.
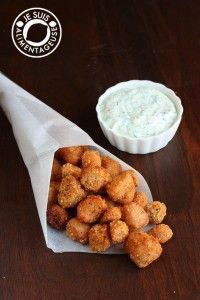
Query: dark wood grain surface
{"points": [[105, 42]]}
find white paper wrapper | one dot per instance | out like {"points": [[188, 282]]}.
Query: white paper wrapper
{"points": [[39, 132]]}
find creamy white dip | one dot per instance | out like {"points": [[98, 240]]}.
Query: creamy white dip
{"points": [[138, 113]]}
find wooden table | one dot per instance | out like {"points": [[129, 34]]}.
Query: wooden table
{"points": [[105, 42]]}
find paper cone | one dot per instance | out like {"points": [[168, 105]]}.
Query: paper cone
{"points": [[39, 132]]}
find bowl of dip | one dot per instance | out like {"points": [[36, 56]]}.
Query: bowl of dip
{"points": [[139, 116]]}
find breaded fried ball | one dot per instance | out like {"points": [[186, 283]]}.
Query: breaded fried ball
{"points": [[99, 238], [134, 176], [53, 192], [91, 208], [122, 188], [134, 215], [143, 248], [141, 199], [112, 166], [56, 170], [78, 231], [118, 231], [162, 232], [69, 169], [91, 158], [72, 155], [156, 211], [127, 240], [70, 192], [57, 216], [94, 178], [111, 214]]}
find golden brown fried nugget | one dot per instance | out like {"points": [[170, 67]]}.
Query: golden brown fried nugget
{"points": [[70, 192], [162, 232], [99, 238], [77, 231], [57, 216], [141, 199], [69, 169], [118, 231], [134, 215], [56, 170], [112, 166], [122, 188], [111, 214], [91, 158], [143, 248], [156, 212], [72, 155], [91, 208], [134, 176], [94, 178], [128, 239], [53, 192]]}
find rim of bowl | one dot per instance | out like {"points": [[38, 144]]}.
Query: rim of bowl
{"points": [[124, 84]]}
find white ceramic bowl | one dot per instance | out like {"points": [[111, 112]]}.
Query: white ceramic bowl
{"points": [[141, 145]]}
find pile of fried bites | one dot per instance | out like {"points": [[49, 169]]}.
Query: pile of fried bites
{"points": [[98, 204]]}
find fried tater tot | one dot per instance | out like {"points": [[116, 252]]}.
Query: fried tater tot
{"points": [[134, 215], [57, 216], [143, 248], [94, 178], [91, 208], [111, 214], [69, 169], [141, 199], [99, 238], [53, 192], [72, 155], [91, 158], [56, 170], [112, 166], [134, 176], [162, 232], [122, 188], [118, 231], [70, 192], [156, 212], [78, 231]]}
